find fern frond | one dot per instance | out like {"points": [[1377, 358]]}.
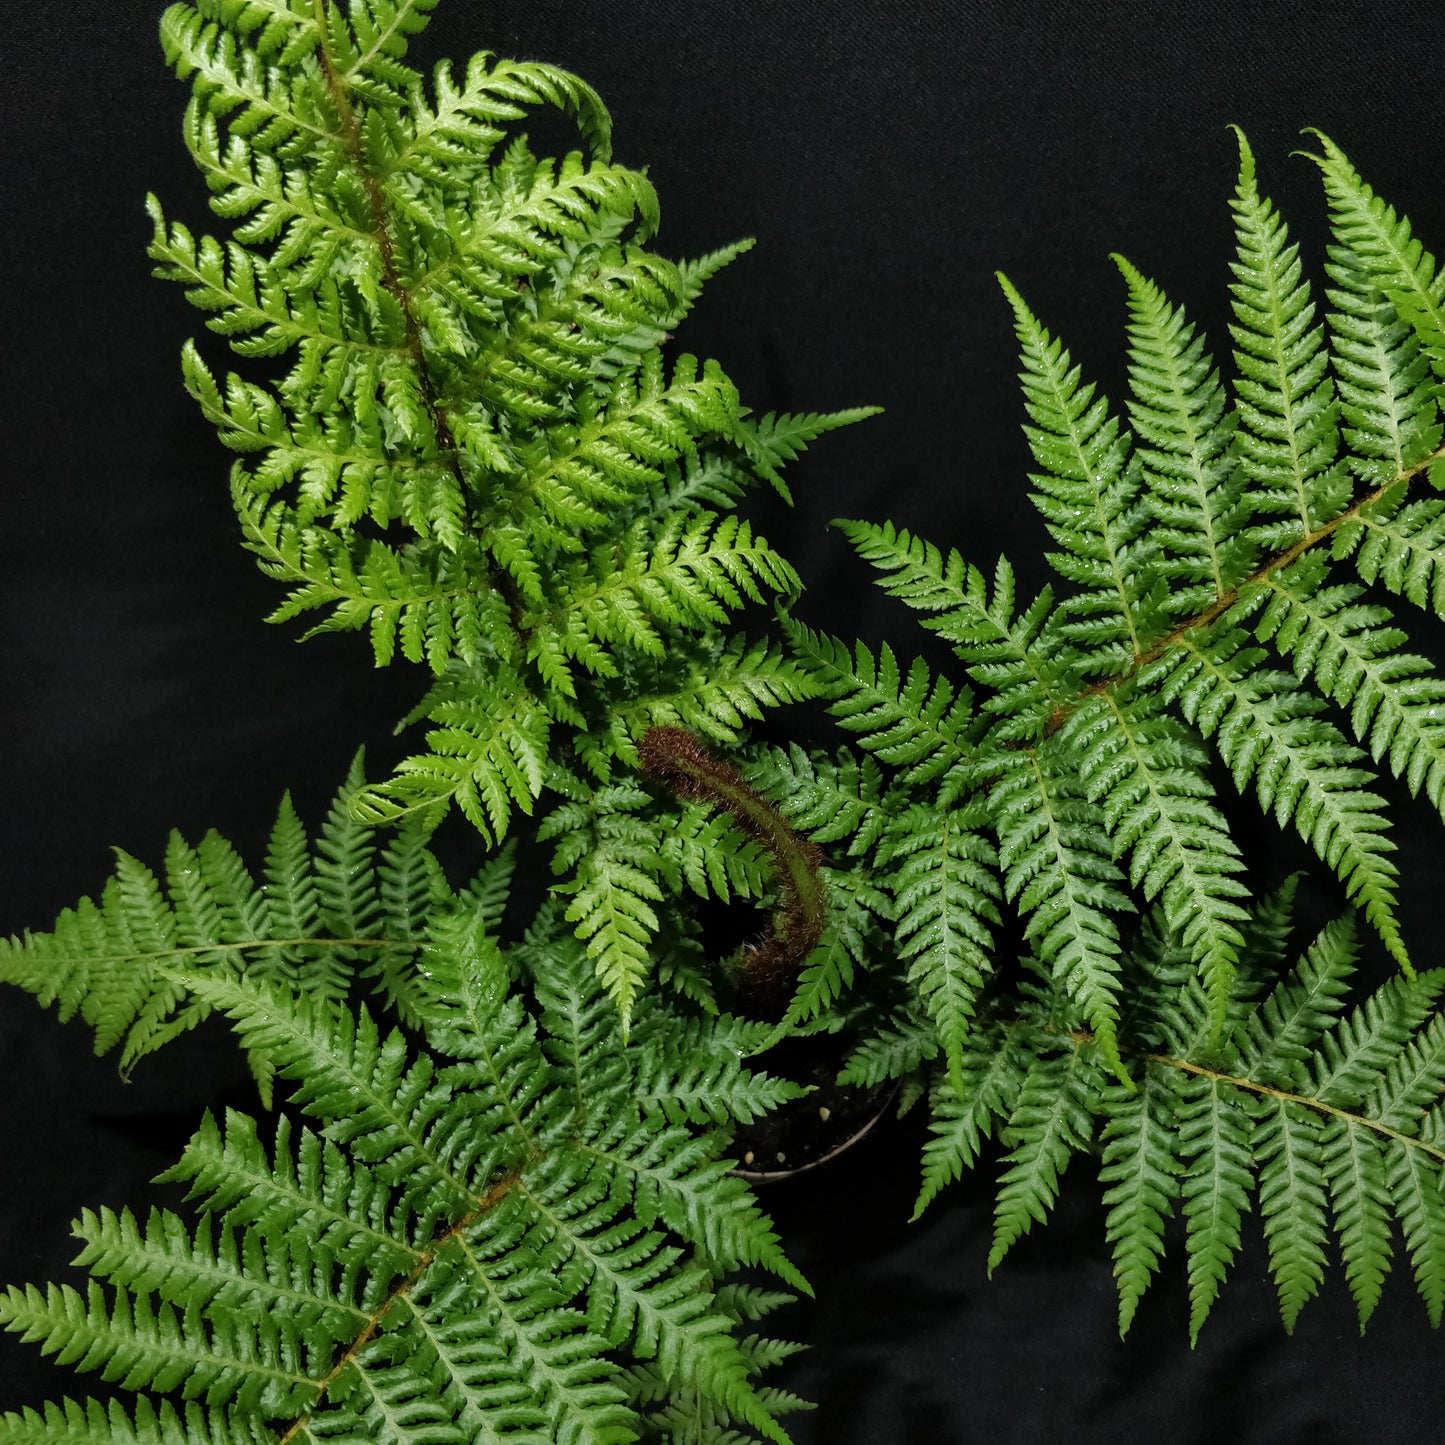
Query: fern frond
{"points": [[1399, 544], [1088, 495], [1048, 1124], [1382, 247], [1057, 868], [1027, 683], [1193, 490], [945, 892], [320, 917], [1288, 435], [919, 724], [991, 1075], [1270, 734], [717, 690], [832, 800], [1354, 654], [68, 1422], [773, 440], [488, 754], [1138, 1164], [1146, 774], [1215, 1182]]}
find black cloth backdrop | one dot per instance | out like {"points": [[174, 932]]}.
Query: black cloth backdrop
{"points": [[889, 158]]}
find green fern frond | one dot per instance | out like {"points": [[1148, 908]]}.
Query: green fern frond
{"points": [[1047, 1125], [1145, 772], [772, 441], [488, 755], [1271, 735], [1054, 853], [715, 689], [832, 800], [1028, 683], [1193, 490], [945, 892], [1355, 655], [488, 1232], [1088, 495], [857, 913], [1399, 543], [1138, 1165], [1288, 434], [68, 1422], [1319, 1116], [1380, 244], [322, 915], [919, 724]]}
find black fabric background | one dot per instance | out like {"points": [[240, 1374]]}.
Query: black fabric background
{"points": [[889, 158]]}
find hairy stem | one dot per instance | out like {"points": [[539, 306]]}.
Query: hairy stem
{"points": [[767, 965]]}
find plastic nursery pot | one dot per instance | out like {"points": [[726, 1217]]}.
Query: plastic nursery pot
{"points": [[806, 1133]]}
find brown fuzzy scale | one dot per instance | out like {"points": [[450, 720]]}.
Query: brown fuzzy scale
{"points": [[768, 965]]}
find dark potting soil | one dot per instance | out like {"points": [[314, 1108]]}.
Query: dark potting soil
{"points": [[804, 1132]]}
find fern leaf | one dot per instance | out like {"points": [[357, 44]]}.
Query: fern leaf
{"points": [[613, 914], [1146, 774], [856, 909], [992, 1074], [1026, 683], [145, 1346], [1049, 1123], [837, 800], [1414, 1183], [773, 440], [1387, 402], [1270, 735], [1399, 544], [1087, 493], [68, 1422], [1354, 1167], [945, 891], [1381, 246], [1140, 1167], [721, 691], [1215, 1183], [488, 755], [1291, 1200], [1280, 1035], [1288, 434], [1054, 854], [1356, 657], [918, 724], [1178, 412]]}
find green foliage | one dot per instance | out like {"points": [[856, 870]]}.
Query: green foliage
{"points": [[508, 1227], [1322, 1115], [1206, 610], [497, 1203], [477, 455], [348, 908]]}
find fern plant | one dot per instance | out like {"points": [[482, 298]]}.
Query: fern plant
{"points": [[491, 1197], [1224, 565]]}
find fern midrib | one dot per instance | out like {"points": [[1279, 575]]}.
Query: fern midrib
{"points": [[1080, 1037], [399, 1290], [497, 576], [151, 955], [1221, 605]]}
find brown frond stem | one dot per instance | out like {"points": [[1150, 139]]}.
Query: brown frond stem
{"points": [[768, 965], [1221, 605]]}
